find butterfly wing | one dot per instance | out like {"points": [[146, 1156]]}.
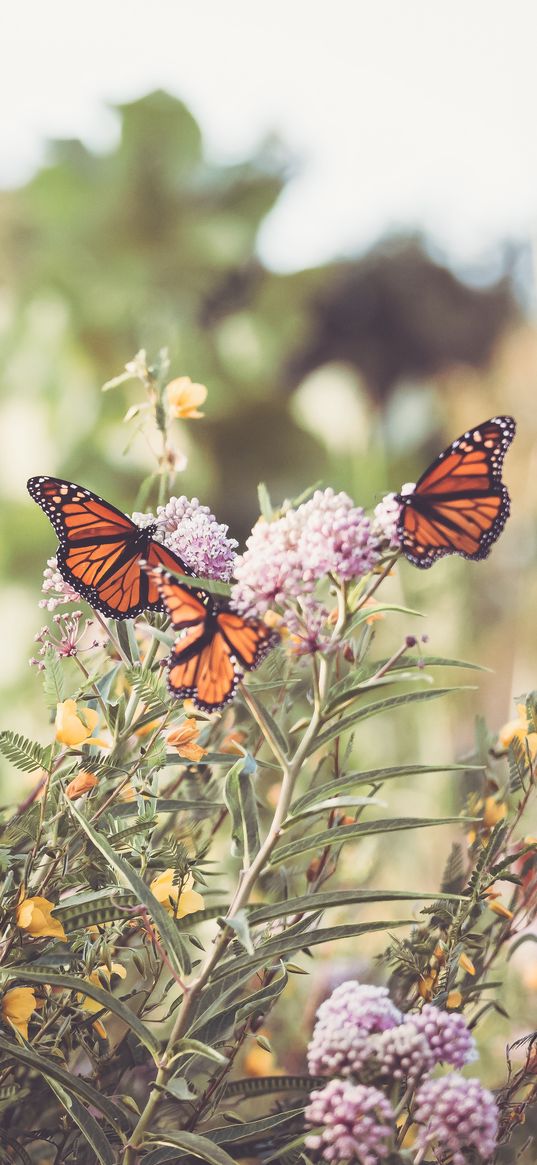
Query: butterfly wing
{"points": [[460, 504], [200, 666], [214, 643], [250, 640], [100, 548]]}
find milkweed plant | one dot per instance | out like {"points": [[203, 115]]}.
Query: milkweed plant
{"points": [[170, 870]]}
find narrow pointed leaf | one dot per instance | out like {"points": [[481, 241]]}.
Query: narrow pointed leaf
{"points": [[369, 710], [85, 987], [340, 898], [240, 799], [48, 1067], [89, 1127], [374, 777], [343, 833], [192, 1143], [289, 942], [169, 935]]}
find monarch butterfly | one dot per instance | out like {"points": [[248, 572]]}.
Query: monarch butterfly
{"points": [[100, 549], [213, 646], [460, 504]]}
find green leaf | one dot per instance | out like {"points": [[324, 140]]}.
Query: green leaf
{"points": [[87, 1124], [208, 584], [240, 799], [339, 898], [192, 1143], [77, 1084], [94, 907], [251, 1130], [53, 678], [365, 613], [274, 727], [85, 987], [290, 941], [265, 504], [343, 833], [221, 1007], [127, 640], [374, 777], [330, 803], [26, 755], [149, 686], [187, 1047], [365, 713], [190, 921], [239, 923], [267, 1085], [169, 934]]}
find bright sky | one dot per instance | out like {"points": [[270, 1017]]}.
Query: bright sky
{"points": [[414, 113]]}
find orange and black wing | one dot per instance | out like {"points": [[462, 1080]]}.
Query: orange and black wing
{"points": [[201, 668], [250, 640], [460, 504], [100, 549], [214, 643]]}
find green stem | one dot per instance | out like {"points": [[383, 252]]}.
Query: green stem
{"points": [[115, 643], [94, 689], [291, 769]]}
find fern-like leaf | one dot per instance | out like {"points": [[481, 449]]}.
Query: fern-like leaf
{"points": [[26, 755]]}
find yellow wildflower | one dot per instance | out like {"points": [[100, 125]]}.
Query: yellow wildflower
{"points": [[80, 784], [96, 977], [74, 727], [17, 1006], [34, 915], [453, 1000], [184, 398], [175, 900], [493, 812], [499, 908], [233, 742], [466, 963], [184, 740], [518, 729]]}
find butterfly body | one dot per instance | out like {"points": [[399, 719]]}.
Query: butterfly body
{"points": [[100, 549], [214, 645], [460, 504]]}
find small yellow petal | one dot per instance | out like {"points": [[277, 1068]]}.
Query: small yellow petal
{"points": [[17, 1006], [499, 908], [453, 1000], [74, 727], [34, 915], [466, 963], [184, 398], [81, 784]]}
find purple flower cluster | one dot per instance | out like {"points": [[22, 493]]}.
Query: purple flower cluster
{"points": [[456, 1114], [386, 521], [192, 532], [447, 1036], [356, 1122], [285, 559], [361, 1036], [340, 1043], [402, 1053]]}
